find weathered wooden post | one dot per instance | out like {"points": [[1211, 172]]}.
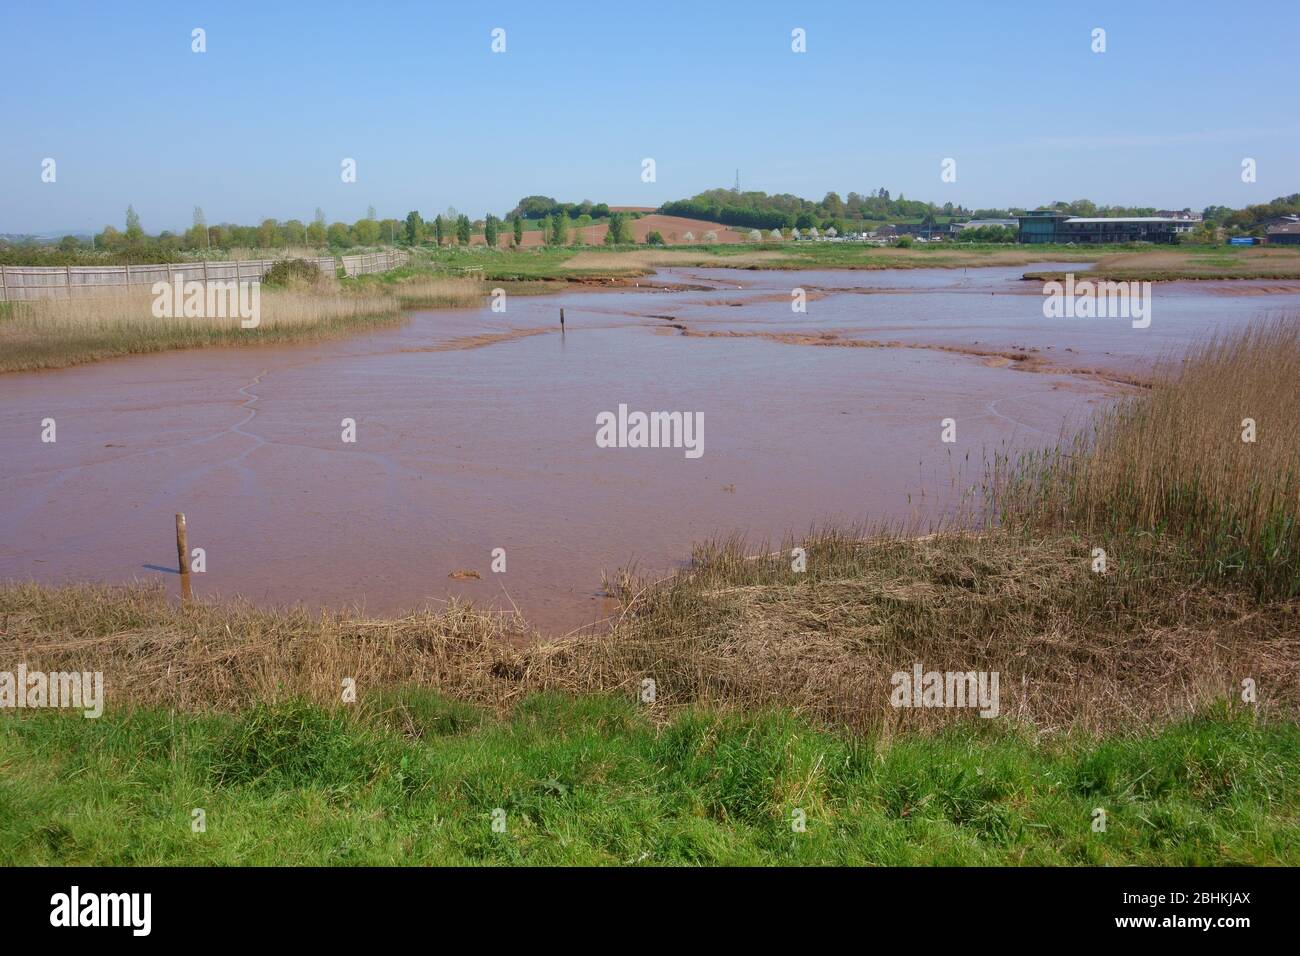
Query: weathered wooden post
{"points": [[561, 320], [183, 557]]}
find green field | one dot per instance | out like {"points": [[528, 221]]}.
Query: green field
{"points": [[411, 778], [1149, 262]]}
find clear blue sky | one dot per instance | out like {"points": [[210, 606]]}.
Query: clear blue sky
{"points": [[257, 126]]}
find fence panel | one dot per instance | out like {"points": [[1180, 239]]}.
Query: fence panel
{"points": [[35, 282], [375, 262]]}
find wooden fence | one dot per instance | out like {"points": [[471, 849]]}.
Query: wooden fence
{"points": [[36, 282], [375, 262]]}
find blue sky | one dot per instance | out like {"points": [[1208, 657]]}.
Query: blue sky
{"points": [[257, 126]]}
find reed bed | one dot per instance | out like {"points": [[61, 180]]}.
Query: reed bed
{"points": [[1210, 459], [438, 293], [58, 332]]}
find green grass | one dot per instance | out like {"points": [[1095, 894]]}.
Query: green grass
{"points": [[549, 262], [409, 778]]}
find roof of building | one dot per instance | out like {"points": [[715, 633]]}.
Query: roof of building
{"points": [[1124, 219], [1287, 228]]}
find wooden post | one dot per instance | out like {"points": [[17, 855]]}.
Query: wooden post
{"points": [[4, 286], [183, 557], [67, 272], [561, 320]]}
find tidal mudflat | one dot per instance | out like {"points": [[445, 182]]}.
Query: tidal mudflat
{"points": [[476, 430]]}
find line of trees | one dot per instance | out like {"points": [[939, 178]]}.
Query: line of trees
{"points": [[544, 207], [133, 244], [758, 210]]}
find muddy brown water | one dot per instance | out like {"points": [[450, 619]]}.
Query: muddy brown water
{"points": [[476, 430]]}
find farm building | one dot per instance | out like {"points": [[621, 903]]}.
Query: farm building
{"points": [[1286, 234]]}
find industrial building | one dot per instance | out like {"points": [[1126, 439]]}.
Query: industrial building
{"points": [[1286, 234], [1050, 225]]}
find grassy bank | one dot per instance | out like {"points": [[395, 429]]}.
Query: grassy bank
{"points": [[59, 332], [593, 263], [412, 778], [1174, 263]]}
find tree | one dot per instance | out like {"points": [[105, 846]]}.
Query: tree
{"points": [[463, 230], [616, 234], [134, 231], [654, 238], [559, 228], [439, 229], [365, 232], [338, 235], [534, 207], [490, 231], [519, 231], [267, 234], [414, 227], [317, 231]]}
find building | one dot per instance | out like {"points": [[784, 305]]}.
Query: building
{"points": [[1050, 225], [1286, 234], [921, 230], [957, 227]]}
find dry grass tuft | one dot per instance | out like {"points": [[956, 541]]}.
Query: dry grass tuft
{"points": [[444, 293], [1073, 649]]}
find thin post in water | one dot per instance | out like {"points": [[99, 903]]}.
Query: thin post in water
{"points": [[183, 558]]}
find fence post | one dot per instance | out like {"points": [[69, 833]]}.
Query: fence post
{"points": [[183, 557], [4, 286], [67, 277], [128, 277]]}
